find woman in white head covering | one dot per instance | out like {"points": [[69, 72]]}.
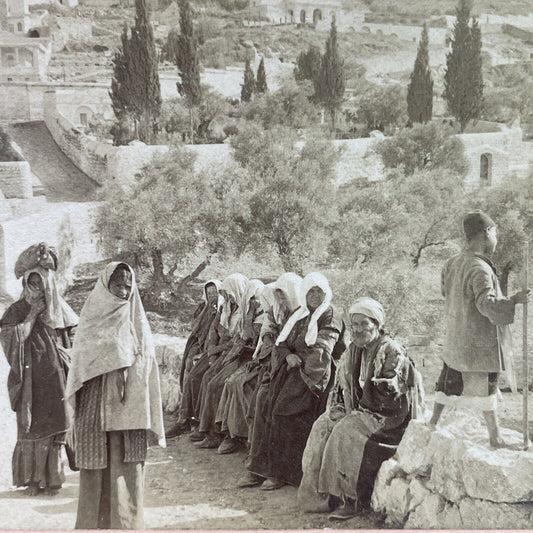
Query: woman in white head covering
{"points": [[203, 317], [301, 371], [32, 331], [113, 386], [371, 405], [244, 343], [239, 387]]}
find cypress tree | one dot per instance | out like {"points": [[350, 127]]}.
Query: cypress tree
{"points": [[188, 63], [248, 86], [330, 81], [463, 81], [143, 67], [420, 90], [261, 86], [120, 83], [308, 64]]}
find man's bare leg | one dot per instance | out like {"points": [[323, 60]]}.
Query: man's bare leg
{"points": [[437, 411], [491, 419]]}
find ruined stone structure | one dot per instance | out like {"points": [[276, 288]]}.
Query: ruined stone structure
{"points": [[23, 59], [296, 11]]}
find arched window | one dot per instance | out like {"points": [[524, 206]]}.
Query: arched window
{"points": [[317, 16], [19, 26], [485, 169], [302, 16]]}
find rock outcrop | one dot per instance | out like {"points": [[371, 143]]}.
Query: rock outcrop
{"points": [[450, 479]]}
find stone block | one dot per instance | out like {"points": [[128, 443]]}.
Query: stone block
{"points": [[388, 471], [397, 501], [414, 455], [418, 492], [427, 514], [498, 475], [446, 471], [482, 514]]}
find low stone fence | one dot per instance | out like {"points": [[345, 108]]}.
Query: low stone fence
{"points": [[450, 479], [16, 179]]}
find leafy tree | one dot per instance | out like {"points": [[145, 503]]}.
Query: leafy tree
{"points": [[248, 85], [330, 82], [390, 220], [289, 106], [463, 80], [289, 200], [383, 107], [144, 80], [424, 146], [420, 89], [261, 86], [165, 217], [188, 63], [308, 64]]}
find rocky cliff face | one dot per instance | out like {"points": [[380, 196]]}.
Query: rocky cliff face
{"points": [[451, 479]]}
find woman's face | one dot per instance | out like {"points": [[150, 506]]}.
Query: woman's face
{"points": [[36, 286], [120, 284], [211, 294], [314, 297], [364, 330]]}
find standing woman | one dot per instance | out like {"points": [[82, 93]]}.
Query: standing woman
{"points": [[31, 330], [114, 384]]}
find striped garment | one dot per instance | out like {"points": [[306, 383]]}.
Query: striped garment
{"points": [[89, 437]]}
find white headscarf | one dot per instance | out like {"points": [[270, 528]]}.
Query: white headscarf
{"points": [[266, 300], [235, 285], [370, 308], [112, 334], [289, 283], [58, 313], [315, 279]]}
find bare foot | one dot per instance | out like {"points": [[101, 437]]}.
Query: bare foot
{"points": [[32, 491], [498, 444], [49, 491], [431, 425]]}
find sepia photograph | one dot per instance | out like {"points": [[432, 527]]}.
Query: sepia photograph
{"points": [[266, 264]]}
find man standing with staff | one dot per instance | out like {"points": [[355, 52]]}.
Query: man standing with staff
{"points": [[477, 317]]}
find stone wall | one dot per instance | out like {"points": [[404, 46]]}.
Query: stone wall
{"points": [[437, 36], [520, 33], [86, 153], [68, 226], [450, 479], [16, 179]]}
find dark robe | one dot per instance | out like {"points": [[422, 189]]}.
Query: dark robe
{"points": [[36, 386], [295, 398], [215, 379]]}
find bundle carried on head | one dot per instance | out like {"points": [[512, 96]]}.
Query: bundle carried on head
{"points": [[37, 255]]}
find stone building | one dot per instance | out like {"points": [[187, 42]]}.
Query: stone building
{"points": [[296, 11], [23, 59]]}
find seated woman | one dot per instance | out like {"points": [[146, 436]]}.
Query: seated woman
{"points": [[113, 386], [203, 317], [219, 341], [239, 388], [301, 372], [371, 406], [33, 329], [243, 347], [286, 301]]}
